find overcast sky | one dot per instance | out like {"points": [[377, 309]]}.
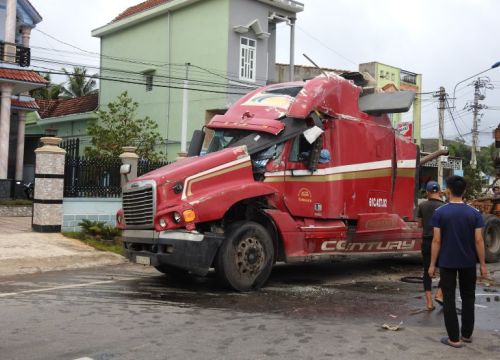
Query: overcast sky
{"points": [[446, 41]]}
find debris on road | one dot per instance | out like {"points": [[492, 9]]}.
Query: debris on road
{"points": [[392, 327]]}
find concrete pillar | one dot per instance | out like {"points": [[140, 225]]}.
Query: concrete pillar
{"points": [[20, 145], [25, 36], [10, 31], [129, 157], [49, 186], [10, 21], [25, 33], [5, 129]]}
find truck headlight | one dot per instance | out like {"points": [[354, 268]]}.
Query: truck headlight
{"points": [[163, 223], [177, 217]]}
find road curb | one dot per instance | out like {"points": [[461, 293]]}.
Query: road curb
{"points": [[10, 267]]}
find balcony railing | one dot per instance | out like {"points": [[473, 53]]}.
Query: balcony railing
{"points": [[408, 77], [15, 54]]}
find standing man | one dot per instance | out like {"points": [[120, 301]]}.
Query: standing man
{"points": [[459, 244], [424, 214]]}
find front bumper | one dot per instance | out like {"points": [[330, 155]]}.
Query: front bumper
{"points": [[186, 250]]}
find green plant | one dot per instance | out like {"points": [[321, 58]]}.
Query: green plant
{"points": [[99, 230], [117, 126], [96, 244], [78, 83]]}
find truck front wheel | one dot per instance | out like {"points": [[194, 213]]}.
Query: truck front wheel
{"points": [[491, 235], [245, 258]]}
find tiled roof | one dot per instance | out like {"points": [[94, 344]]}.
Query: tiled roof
{"points": [[24, 104], [146, 5], [61, 107], [22, 75]]}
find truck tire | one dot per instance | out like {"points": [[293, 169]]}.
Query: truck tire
{"points": [[491, 236], [245, 258]]}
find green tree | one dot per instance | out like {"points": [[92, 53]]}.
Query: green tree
{"points": [[459, 149], [486, 159], [52, 91], [117, 126], [79, 83]]}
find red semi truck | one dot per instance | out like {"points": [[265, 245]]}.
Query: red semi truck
{"points": [[294, 172]]}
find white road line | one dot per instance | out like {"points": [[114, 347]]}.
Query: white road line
{"points": [[84, 358], [58, 288]]}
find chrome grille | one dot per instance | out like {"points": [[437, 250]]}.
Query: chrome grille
{"points": [[138, 206]]}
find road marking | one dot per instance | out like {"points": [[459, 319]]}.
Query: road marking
{"points": [[58, 288], [84, 358]]}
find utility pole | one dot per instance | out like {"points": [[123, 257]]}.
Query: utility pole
{"points": [[477, 94], [481, 82], [185, 100], [442, 99], [292, 49]]}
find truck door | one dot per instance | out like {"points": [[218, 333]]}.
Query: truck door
{"points": [[305, 195]]}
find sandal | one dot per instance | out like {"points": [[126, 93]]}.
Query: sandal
{"points": [[439, 300], [466, 340], [431, 308], [446, 341]]}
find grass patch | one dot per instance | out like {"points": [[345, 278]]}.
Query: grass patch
{"points": [[16, 202], [95, 243]]}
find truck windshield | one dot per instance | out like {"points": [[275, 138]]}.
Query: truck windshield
{"points": [[225, 138], [255, 141]]}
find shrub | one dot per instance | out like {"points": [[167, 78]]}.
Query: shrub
{"points": [[99, 230]]}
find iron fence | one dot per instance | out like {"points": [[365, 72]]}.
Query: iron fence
{"points": [[92, 177], [145, 166], [97, 177], [72, 147]]}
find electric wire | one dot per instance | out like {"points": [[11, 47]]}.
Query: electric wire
{"points": [[326, 46], [129, 60], [127, 81], [141, 74]]}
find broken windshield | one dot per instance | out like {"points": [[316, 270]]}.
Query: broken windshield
{"points": [[256, 141]]}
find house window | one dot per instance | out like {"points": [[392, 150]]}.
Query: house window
{"points": [[149, 82], [248, 52]]}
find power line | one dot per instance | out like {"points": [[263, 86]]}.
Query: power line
{"points": [[127, 81], [200, 82], [452, 117], [126, 60], [326, 46]]}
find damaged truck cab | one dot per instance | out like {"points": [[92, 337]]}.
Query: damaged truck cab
{"points": [[293, 172]]}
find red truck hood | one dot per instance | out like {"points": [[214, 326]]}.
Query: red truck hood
{"points": [[182, 169]]}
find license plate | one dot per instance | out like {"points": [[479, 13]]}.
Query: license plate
{"points": [[144, 260]]}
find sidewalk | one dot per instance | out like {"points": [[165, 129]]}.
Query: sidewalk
{"points": [[23, 251]]}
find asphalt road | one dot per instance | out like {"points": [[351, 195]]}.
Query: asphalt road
{"points": [[305, 312]]}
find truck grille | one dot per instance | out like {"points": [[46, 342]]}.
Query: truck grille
{"points": [[138, 207]]}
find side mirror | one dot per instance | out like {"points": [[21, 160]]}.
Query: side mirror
{"points": [[196, 143], [125, 169]]}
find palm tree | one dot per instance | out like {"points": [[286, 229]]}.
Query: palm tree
{"points": [[52, 91], [79, 83]]}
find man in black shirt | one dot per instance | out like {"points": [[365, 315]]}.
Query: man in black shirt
{"points": [[424, 214]]}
